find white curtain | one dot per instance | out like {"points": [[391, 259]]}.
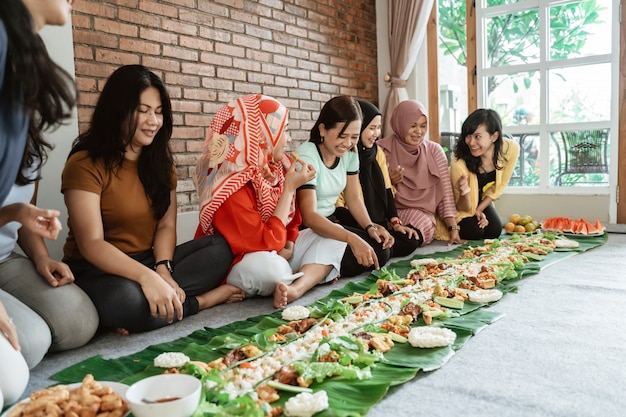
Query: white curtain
{"points": [[407, 27]]}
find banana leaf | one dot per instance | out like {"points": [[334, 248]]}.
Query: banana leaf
{"points": [[346, 398]]}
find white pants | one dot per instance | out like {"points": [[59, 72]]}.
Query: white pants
{"points": [[258, 273]]}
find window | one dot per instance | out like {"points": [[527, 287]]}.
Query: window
{"points": [[546, 67]]}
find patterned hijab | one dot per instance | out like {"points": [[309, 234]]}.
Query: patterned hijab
{"points": [[239, 149]]}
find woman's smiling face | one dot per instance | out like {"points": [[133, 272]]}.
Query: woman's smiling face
{"points": [[481, 143], [337, 143], [371, 132], [417, 131]]}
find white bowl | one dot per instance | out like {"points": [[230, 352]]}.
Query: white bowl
{"points": [[167, 395]]}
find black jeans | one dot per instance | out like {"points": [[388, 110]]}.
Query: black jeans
{"points": [[403, 245], [200, 265], [471, 231]]}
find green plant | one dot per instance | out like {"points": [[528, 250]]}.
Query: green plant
{"points": [[512, 38]]}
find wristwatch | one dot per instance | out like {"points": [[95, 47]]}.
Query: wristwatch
{"points": [[167, 263], [455, 227]]}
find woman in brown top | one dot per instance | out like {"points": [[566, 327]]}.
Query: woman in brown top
{"points": [[119, 184]]}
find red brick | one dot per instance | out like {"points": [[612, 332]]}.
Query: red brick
{"points": [[158, 36], [83, 52], [94, 8], [183, 132], [99, 39], [117, 28], [195, 43], [229, 50], [156, 63], [246, 41], [211, 7], [231, 74], [178, 27], [198, 69], [186, 106], [210, 51], [200, 94], [179, 79], [180, 53], [185, 3], [81, 21], [116, 57], [246, 65], [248, 88], [152, 8], [143, 47]]}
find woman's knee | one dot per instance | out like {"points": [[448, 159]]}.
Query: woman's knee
{"points": [[74, 321]]}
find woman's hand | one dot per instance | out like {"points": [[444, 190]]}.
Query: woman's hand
{"points": [[163, 299], [455, 239], [462, 185], [298, 174], [363, 252], [167, 277], [406, 230], [396, 175], [55, 272], [42, 222], [287, 251], [481, 219], [381, 235], [8, 328]]}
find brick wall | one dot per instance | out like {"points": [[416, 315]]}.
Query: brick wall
{"points": [[302, 52]]}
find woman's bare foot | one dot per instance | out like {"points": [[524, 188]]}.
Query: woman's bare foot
{"points": [[122, 331], [225, 293], [280, 295]]}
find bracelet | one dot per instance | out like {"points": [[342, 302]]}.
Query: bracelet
{"points": [[455, 227], [370, 225], [167, 263], [397, 221]]}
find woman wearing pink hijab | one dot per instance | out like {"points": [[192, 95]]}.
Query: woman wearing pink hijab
{"points": [[419, 172]]}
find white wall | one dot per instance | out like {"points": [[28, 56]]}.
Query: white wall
{"points": [[59, 43]]}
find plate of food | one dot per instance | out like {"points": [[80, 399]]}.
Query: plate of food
{"points": [[107, 396]]}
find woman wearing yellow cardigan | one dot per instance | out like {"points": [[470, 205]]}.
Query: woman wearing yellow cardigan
{"points": [[480, 171]]}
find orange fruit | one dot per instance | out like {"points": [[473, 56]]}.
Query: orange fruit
{"points": [[509, 227], [524, 220], [530, 227], [515, 218], [520, 229]]}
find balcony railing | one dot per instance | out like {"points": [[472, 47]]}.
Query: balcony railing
{"points": [[576, 157]]}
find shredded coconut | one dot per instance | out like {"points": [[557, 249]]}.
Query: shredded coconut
{"points": [[306, 404], [428, 337], [295, 313], [170, 360], [485, 296]]}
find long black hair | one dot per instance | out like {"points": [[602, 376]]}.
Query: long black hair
{"points": [[340, 109], [492, 122], [34, 83], [113, 126]]}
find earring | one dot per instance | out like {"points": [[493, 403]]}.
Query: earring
{"points": [[322, 140]]}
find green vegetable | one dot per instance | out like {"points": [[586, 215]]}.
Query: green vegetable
{"points": [[286, 387], [397, 338], [449, 302], [355, 299]]}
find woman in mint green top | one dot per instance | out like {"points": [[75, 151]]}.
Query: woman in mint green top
{"points": [[331, 152]]}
